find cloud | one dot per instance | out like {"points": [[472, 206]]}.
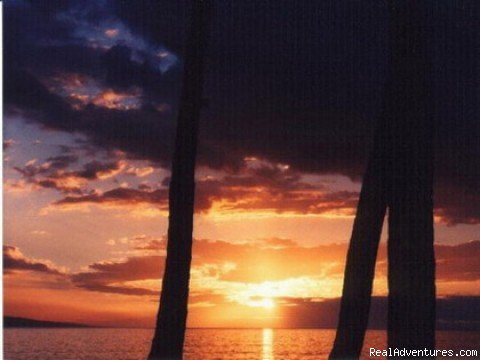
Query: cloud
{"points": [[270, 189], [458, 262], [159, 30], [53, 174], [248, 272], [152, 245], [14, 261], [316, 116], [112, 276], [294, 305], [264, 260], [119, 196], [260, 186], [257, 263], [279, 243], [455, 205], [61, 162], [106, 128], [140, 171], [266, 188], [97, 170], [81, 90]]}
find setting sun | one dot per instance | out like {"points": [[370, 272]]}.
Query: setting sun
{"points": [[267, 303]]}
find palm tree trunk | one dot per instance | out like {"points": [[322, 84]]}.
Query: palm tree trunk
{"points": [[362, 253], [411, 270], [400, 176], [169, 334]]}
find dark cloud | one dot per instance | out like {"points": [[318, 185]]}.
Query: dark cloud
{"points": [[299, 83], [120, 72], [95, 169], [158, 30], [53, 173], [102, 276], [109, 276], [120, 196], [458, 262], [14, 260], [109, 128], [61, 162], [50, 168], [459, 205]]}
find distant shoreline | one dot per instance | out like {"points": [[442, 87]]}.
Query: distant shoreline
{"points": [[19, 322]]}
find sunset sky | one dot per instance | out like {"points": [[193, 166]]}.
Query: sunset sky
{"points": [[293, 91]]}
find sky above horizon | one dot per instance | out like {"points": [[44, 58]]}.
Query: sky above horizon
{"points": [[294, 89]]}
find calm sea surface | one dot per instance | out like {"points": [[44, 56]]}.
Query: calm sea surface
{"points": [[201, 344]]}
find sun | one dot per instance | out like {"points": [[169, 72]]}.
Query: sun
{"points": [[265, 302]]}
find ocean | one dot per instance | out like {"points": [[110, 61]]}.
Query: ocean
{"points": [[201, 344]]}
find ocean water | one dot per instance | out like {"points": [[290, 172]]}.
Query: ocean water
{"points": [[201, 344]]}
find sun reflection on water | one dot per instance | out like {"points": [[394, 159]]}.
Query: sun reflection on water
{"points": [[267, 344]]}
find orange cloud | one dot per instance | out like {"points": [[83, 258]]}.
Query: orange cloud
{"points": [[111, 33], [275, 277], [240, 272], [140, 172], [81, 90], [111, 99], [270, 190], [279, 267]]}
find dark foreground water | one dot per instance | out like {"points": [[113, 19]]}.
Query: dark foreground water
{"points": [[201, 344]]}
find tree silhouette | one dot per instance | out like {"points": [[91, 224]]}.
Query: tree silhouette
{"points": [[169, 334], [362, 253], [411, 263], [399, 176]]}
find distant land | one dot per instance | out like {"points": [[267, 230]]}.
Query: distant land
{"points": [[17, 322]]}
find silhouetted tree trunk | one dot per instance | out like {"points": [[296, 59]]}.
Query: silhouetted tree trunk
{"points": [[400, 176], [411, 267], [169, 334], [362, 253]]}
